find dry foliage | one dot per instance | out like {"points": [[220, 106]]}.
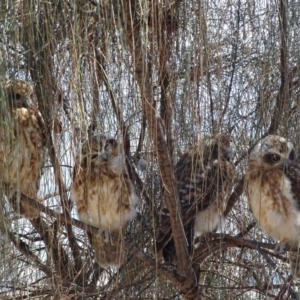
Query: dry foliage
{"points": [[156, 75]]}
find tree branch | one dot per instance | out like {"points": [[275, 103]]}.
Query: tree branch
{"points": [[283, 95], [39, 41], [24, 249], [143, 76], [66, 219]]}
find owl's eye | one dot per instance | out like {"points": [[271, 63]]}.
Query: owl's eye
{"points": [[273, 158], [14, 96], [17, 96], [292, 155], [107, 145], [94, 156], [215, 151]]}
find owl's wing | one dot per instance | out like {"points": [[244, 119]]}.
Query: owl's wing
{"points": [[292, 171], [38, 142], [293, 174], [28, 142], [200, 181], [194, 176], [193, 180], [108, 253]]}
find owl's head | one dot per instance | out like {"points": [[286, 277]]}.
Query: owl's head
{"points": [[18, 93], [218, 147], [102, 149], [272, 151]]}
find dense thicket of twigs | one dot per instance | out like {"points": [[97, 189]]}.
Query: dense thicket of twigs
{"points": [[157, 75]]}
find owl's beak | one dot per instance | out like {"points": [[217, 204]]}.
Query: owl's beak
{"points": [[21, 102], [25, 103], [104, 156], [285, 162], [229, 154]]}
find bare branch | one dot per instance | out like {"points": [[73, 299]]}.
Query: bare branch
{"points": [[62, 218], [24, 249], [282, 99], [144, 78]]}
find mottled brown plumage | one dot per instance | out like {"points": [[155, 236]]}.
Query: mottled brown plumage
{"points": [[22, 143], [104, 196], [273, 185], [205, 175]]}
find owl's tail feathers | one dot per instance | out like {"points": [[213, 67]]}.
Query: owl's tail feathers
{"points": [[295, 263], [169, 252], [108, 253]]}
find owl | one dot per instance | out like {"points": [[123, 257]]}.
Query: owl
{"points": [[205, 175], [22, 143], [104, 196], [273, 187]]}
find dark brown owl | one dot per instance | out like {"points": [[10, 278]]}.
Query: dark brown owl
{"points": [[205, 176], [22, 143], [104, 196], [273, 185]]}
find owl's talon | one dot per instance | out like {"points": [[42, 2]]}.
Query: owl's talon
{"points": [[104, 232], [279, 248], [106, 239]]}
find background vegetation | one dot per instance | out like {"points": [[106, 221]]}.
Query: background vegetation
{"points": [[157, 75]]}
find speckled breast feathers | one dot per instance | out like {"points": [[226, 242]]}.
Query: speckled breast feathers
{"points": [[22, 141], [102, 188]]}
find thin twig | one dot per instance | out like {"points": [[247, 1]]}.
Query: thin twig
{"points": [[62, 218]]}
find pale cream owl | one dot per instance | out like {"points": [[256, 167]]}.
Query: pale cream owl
{"points": [[273, 185], [104, 196], [22, 143]]}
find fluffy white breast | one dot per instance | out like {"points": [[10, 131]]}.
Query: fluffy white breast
{"points": [[117, 164], [209, 219], [108, 206], [275, 210]]}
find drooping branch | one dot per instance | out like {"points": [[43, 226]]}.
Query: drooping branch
{"points": [[123, 126], [24, 249], [282, 99], [205, 64], [141, 137], [66, 219], [218, 242], [51, 241], [140, 185], [234, 197], [164, 24], [143, 74], [40, 49], [234, 62], [136, 35]]}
